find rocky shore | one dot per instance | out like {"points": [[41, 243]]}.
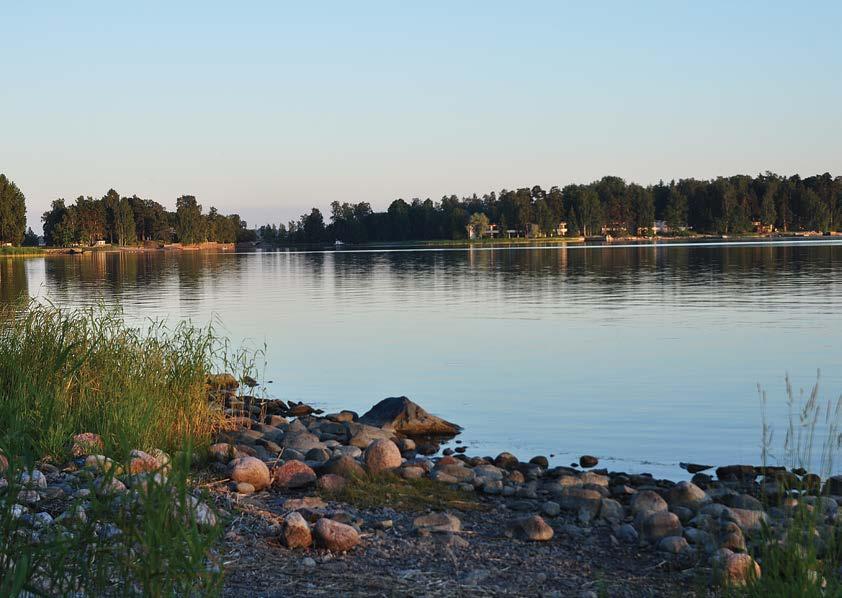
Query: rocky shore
{"points": [[342, 504]]}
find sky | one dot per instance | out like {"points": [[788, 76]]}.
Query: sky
{"points": [[269, 108]]}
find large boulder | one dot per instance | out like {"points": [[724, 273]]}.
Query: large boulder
{"points": [[687, 494], [403, 416], [382, 455], [250, 470]]}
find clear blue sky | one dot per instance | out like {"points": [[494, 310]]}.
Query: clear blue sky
{"points": [[268, 108]]}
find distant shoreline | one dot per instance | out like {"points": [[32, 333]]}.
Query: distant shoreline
{"points": [[524, 242]]}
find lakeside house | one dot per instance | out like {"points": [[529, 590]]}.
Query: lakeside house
{"points": [[763, 229]]}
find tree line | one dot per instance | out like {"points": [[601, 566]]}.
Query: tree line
{"points": [[131, 220], [725, 205]]}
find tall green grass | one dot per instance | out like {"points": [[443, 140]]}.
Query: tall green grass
{"points": [[68, 371], [11, 251], [803, 556], [63, 372]]}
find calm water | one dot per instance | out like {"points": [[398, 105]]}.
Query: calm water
{"points": [[642, 355]]}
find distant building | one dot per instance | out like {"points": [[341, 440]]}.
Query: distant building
{"points": [[763, 229], [661, 227], [561, 229]]}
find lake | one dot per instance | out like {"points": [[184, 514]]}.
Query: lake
{"points": [[644, 355]]}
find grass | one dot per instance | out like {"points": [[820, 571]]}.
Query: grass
{"points": [[388, 490], [20, 251], [803, 557], [64, 372], [68, 371]]}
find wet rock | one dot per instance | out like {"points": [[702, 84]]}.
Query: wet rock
{"points": [[695, 467], [293, 474], [588, 461], [335, 536], [295, 533], [660, 525], [403, 416], [531, 529], [437, 523], [382, 456], [250, 470]]}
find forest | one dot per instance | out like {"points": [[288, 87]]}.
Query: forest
{"points": [[723, 206]]}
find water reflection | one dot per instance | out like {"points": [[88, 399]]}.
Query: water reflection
{"points": [[640, 353]]}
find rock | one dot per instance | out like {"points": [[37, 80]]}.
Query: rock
{"points": [[33, 479], [486, 471], [736, 473], [611, 510], [743, 501], [660, 524], [381, 456], [734, 570], [295, 532], [345, 466], [588, 461], [590, 478], [457, 471], [695, 467], [646, 502], [673, 544], [437, 523], [140, 462], [749, 521], [577, 499], [222, 452], [318, 454], [107, 486], [540, 461], [687, 494], [335, 536], [551, 508], [301, 441], [250, 470], [307, 502], [86, 443], [245, 488], [222, 382], [103, 464], [412, 472], [331, 483], [348, 451], [362, 435], [531, 529], [626, 533], [403, 416], [684, 514], [731, 537], [308, 562], [506, 461], [293, 474], [833, 485], [406, 445]]}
